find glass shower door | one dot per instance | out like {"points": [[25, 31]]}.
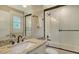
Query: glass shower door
{"points": [[51, 27], [28, 26]]}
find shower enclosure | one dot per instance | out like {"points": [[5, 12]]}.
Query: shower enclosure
{"points": [[62, 26], [28, 25]]}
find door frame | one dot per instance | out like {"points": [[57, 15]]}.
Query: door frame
{"points": [[25, 21]]}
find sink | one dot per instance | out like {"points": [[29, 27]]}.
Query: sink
{"points": [[20, 47]]}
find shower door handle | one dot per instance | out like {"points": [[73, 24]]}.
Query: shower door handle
{"points": [[67, 30], [60, 30]]}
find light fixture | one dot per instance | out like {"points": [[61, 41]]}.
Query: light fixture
{"points": [[24, 6]]}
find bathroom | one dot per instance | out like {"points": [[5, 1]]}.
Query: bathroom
{"points": [[39, 29]]}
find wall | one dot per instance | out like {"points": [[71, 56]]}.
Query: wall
{"points": [[6, 14], [15, 13], [48, 6], [37, 10], [28, 10], [17, 7], [37, 16], [38, 23], [4, 24]]}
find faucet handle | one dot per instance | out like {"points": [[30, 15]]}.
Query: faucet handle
{"points": [[12, 42]]}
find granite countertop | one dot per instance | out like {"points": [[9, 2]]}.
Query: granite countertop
{"points": [[9, 49]]}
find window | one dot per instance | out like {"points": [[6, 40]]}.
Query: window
{"points": [[16, 23]]}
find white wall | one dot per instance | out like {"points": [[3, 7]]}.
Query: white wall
{"points": [[6, 15], [38, 11], [15, 13], [17, 7], [4, 24], [28, 10], [48, 6]]}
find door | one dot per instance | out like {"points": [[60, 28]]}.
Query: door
{"points": [[28, 26], [51, 27], [62, 26]]}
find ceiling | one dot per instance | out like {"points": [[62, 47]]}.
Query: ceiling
{"points": [[18, 7]]}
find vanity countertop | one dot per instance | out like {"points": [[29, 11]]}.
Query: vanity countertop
{"points": [[20, 48]]}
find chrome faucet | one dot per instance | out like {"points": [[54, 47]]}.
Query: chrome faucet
{"points": [[12, 40], [19, 38]]}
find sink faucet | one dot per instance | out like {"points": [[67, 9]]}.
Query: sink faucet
{"points": [[19, 38], [12, 41]]}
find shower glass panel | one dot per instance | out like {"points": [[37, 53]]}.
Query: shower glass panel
{"points": [[28, 26], [51, 26], [62, 26]]}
